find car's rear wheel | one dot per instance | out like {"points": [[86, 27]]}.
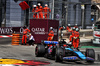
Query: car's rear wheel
{"points": [[39, 50], [90, 53]]}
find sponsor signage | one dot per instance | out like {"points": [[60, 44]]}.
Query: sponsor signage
{"points": [[10, 30], [40, 29]]}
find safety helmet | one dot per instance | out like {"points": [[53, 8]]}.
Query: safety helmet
{"points": [[39, 4], [63, 27], [46, 5], [34, 5], [25, 27], [51, 28], [77, 29], [68, 24], [73, 28], [75, 24]]}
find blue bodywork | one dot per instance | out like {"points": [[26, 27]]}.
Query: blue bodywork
{"points": [[50, 42], [70, 58], [79, 55], [50, 49]]}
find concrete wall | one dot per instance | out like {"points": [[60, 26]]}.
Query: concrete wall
{"points": [[75, 16], [88, 15], [14, 14], [74, 13]]}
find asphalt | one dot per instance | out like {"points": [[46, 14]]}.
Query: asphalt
{"points": [[28, 53]]}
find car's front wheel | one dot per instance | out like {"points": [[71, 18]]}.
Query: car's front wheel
{"points": [[90, 53]]}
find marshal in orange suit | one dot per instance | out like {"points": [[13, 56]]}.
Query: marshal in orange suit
{"points": [[50, 34], [24, 37], [40, 10], [46, 11]]}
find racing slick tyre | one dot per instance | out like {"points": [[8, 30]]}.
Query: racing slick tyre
{"points": [[59, 55], [40, 50], [98, 57], [90, 53]]}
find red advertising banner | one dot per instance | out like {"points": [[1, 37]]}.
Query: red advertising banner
{"points": [[40, 28]]}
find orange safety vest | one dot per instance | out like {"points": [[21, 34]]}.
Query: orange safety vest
{"points": [[35, 10], [25, 31], [40, 9], [51, 33], [77, 35], [69, 29], [60, 28], [46, 10]]}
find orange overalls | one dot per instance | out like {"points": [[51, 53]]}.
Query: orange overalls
{"points": [[25, 31], [40, 10], [46, 12], [35, 10], [68, 29], [60, 28], [50, 35], [76, 39], [71, 36]]}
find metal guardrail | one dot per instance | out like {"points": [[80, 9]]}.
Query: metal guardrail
{"points": [[83, 32]]}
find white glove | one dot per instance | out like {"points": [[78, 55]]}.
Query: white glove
{"points": [[70, 42]]}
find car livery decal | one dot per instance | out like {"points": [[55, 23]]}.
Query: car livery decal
{"points": [[80, 54], [70, 58], [68, 49], [51, 42], [77, 52]]}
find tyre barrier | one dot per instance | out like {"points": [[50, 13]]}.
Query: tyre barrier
{"points": [[16, 39]]}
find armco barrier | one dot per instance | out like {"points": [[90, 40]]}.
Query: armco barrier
{"points": [[86, 32], [83, 33]]}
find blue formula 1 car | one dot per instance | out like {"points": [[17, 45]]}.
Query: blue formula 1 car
{"points": [[46, 49], [65, 53]]}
